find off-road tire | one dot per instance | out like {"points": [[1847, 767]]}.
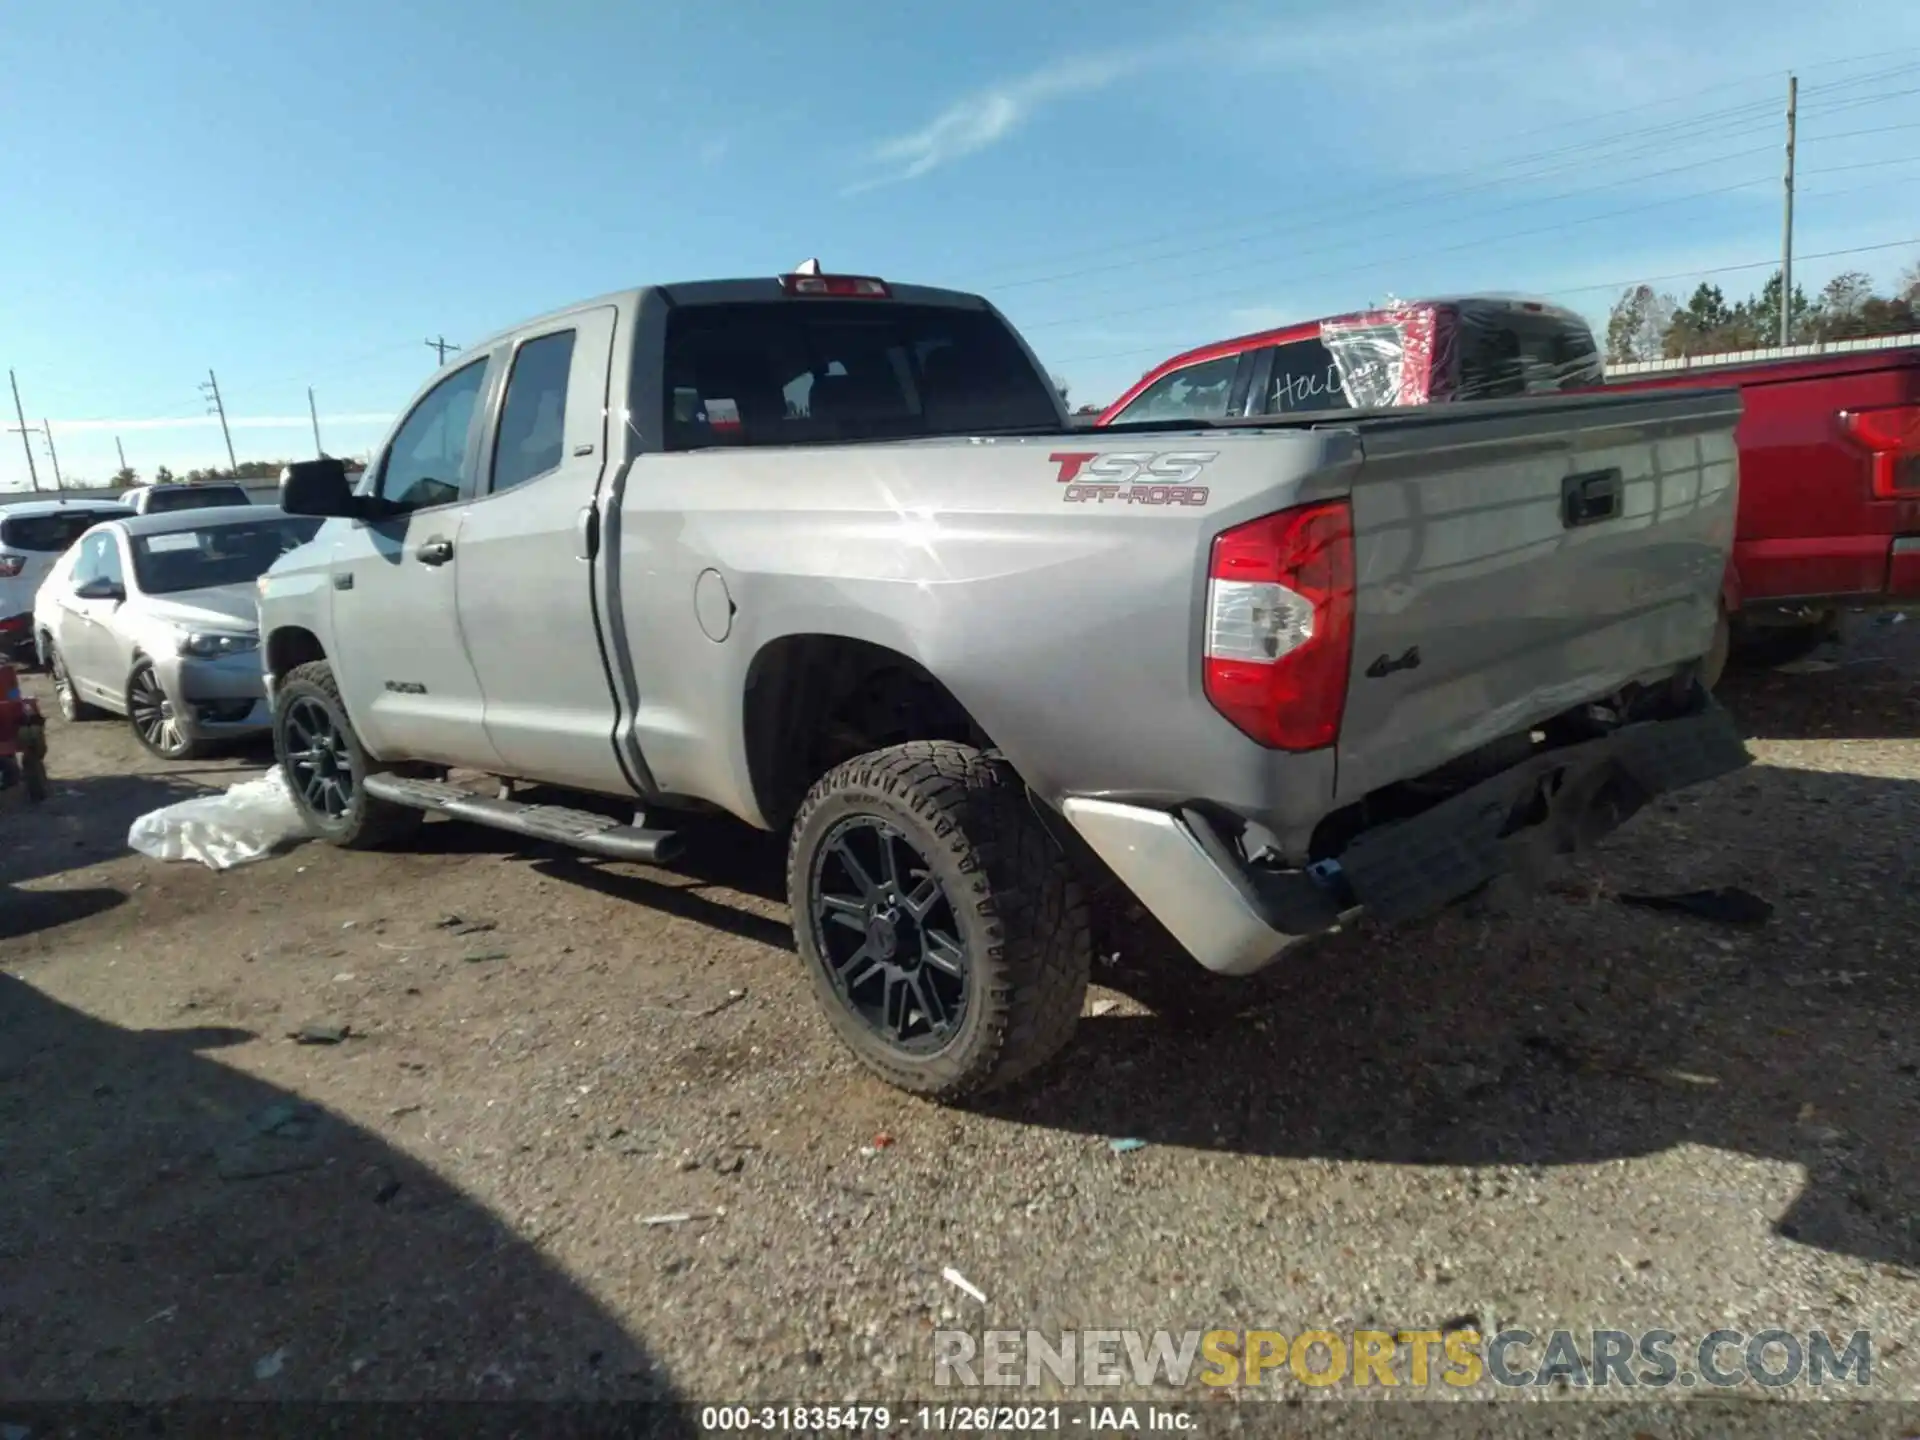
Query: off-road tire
{"points": [[67, 700], [1017, 902], [368, 823]]}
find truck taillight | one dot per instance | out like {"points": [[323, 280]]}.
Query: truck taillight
{"points": [[1891, 435], [1280, 625], [11, 565]]}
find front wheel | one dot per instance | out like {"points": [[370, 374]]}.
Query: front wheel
{"points": [[154, 717], [326, 768], [945, 933]]}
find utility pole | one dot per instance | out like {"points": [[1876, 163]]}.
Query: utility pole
{"points": [[33, 471], [440, 345], [318, 449], [123, 451], [46, 433], [212, 390], [1786, 224]]}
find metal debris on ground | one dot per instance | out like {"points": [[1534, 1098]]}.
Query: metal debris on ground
{"points": [[483, 957], [1810, 666], [1122, 1147], [682, 1217], [268, 1366], [954, 1278], [733, 997], [320, 1032], [1727, 905]]}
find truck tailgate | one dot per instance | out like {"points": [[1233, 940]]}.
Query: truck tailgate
{"points": [[1513, 559]]}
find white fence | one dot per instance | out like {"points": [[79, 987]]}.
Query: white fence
{"points": [[1777, 352]]}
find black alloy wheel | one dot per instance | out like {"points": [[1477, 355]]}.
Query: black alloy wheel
{"points": [[889, 936]]}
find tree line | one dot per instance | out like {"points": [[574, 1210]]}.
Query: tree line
{"points": [[1646, 324], [246, 471]]}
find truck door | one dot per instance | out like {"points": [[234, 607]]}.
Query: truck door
{"points": [[526, 568], [398, 654]]}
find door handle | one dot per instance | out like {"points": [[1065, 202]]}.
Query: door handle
{"points": [[586, 533], [437, 551], [1591, 498]]}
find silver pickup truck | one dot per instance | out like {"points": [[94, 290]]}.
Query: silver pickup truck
{"points": [[823, 553]]}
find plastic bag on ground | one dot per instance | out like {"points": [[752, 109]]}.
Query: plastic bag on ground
{"points": [[246, 822]]}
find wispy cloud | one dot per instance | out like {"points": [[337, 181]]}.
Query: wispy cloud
{"points": [[234, 422], [971, 125], [990, 116]]}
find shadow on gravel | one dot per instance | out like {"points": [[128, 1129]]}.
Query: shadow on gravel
{"points": [[26, 912], [174, 1227], [1576, 1030], [82, 822]]}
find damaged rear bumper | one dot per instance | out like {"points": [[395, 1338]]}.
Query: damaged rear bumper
{"points": [[1236, 918]]}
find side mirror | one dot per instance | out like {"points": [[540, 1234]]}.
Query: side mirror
{"points": [[102, 589], [318, 487]]}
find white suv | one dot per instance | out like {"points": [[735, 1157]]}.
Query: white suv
{"points": [[33, 534]]}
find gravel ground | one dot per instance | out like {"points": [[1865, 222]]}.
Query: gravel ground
{"points": [[1563, 1112]]}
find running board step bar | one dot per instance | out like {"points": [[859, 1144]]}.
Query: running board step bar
{"points": [[581, 829]]}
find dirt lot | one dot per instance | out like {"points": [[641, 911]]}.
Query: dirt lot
{"points": [[1572, 1114]]}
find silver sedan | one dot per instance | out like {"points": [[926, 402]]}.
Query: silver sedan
{"points": [[153, 617]]}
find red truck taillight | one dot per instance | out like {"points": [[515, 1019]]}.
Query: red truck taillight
{"points": [[1891, 435], [1280, 625]]}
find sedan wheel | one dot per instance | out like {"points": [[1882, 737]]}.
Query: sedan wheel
{"points": [[152, 715], [72, 707]]}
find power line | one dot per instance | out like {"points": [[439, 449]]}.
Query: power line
{"points": [[1756, 110]]}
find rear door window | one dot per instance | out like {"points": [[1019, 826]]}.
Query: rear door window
{"points": [[1304, 377], [52, 534], [533, 422], [808, 371], [1196, 392]]}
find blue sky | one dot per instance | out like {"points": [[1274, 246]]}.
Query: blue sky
{"points": [[300, 196]]}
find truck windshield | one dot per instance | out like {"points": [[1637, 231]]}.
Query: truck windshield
{"points": [[196, 497], [230, 554], [808, 371]]}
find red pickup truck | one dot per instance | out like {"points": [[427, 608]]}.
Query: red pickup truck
{"points": [[1829, 513]]}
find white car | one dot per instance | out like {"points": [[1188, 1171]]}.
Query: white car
{"points": [[33, 535], [153, 617]]}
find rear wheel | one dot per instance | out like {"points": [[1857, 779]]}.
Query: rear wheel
{"points": [[1763, 646], [1714, 664], [33, 773], [945, 934], [154, 717], [72, 708], [326, 768]]}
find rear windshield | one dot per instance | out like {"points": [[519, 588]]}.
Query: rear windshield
{"points": [[196, 497], [1501, 354], [231, 554], [806, 371], [52, 534]]}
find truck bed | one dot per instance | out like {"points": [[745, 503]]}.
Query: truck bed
{"points": [[1063, 601]]}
